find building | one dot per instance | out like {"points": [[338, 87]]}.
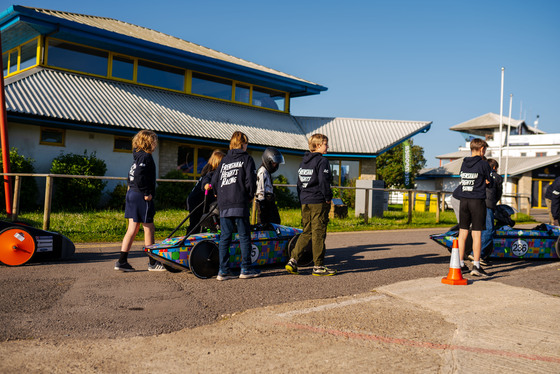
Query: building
{"points": [[77, 82], [529, 157]]}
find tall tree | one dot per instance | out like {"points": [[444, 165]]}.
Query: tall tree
{"points": [[390, 166]]}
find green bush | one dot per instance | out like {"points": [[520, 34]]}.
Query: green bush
{"points": [[173, 195], [77, 193], [29, 192], [284, 197], [348, 195], [117, 197]]}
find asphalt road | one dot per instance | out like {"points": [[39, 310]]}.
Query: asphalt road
{"points": [[84, 298]]}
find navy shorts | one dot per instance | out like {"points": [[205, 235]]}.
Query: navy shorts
{"points": [[139, 209], [472, 211]]}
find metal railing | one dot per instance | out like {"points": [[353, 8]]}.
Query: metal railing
{"points": [[410, 193]]}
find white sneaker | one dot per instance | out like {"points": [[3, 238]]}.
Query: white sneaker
{"points": [[156, 267]]}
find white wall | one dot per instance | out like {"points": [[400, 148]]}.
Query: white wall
{"points": [[26, 139]]}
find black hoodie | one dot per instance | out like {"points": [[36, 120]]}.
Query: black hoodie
{"points": [[314, 179], [553, 194], [475, 171], [142, 174], [235, 183]]}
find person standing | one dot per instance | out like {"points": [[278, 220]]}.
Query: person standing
{"points": [[475, 177], [552, 199], [234, 184], [315, 195], [267, 212], [139, 204], [493, 195], [196, 197]]}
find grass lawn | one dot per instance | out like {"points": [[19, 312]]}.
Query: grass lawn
{"points": [[110, 225]]}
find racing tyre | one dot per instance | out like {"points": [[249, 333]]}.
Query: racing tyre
{"points": [[17, 246], [558, 247], [306, 258], [204, 260]]}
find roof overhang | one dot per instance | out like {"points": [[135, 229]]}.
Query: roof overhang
{"points": [[19, 24]]}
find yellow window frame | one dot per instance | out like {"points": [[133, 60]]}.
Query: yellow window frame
{"points": [[126, 138], [58, 144], [18, 63]]}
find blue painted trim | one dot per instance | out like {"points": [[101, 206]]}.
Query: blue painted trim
{"points": [[350, 155], [73, 31]]}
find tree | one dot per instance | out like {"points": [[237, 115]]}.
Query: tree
{"points": [[390, 165]]}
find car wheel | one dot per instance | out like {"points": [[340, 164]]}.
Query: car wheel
{"points": [[204, 259], [558, 247]]}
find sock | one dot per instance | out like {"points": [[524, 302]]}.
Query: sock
{"points": [[123, 258], [462, 263], [476, 263]]}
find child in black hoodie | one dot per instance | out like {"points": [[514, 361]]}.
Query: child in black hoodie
{"points": [[475, 177], [315, 195], [234, 184], [139, 206]]}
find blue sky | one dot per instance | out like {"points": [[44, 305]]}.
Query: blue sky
{"points": [[428, 60]]}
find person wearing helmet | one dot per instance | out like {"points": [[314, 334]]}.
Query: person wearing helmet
{"points": [[267, 212]]}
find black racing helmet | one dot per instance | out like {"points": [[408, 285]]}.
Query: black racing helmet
{"points": [[271, 159]]}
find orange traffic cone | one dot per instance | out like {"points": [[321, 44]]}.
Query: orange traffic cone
{"points": [[454, 277]]}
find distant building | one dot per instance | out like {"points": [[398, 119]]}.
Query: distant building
{"points": [[530, 157], [77, 82]]}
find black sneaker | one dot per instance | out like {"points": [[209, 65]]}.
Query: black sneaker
{"points": [[291, 266], [323, 270], [123, 267], [465, 269], [482, 261], [478, 271]]}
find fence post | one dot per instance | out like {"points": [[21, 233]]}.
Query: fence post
{"points": [[438, 206], [48, 199], [15, 204], [409, 206], [366, 210]]}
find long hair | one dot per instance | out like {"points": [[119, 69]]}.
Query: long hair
{"points": [[145, 140], [213, 161], [238, 139]]}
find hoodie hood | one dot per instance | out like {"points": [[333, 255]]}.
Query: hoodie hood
{"points": [[470, 162]]}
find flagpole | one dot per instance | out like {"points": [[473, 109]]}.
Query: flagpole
{"points": [[501, 117], [507, 144]]}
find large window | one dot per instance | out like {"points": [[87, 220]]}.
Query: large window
{"points": [[160, 75], [207, 85], [76, 57], [122, 67], [191, 159], [344, 171], [20, 58], [268, 98]]}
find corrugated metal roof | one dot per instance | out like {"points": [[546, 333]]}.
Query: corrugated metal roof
{"points": [[516, 166], [66, 96], [457, 154], [142, 33], [486, 121], [352, 135]]}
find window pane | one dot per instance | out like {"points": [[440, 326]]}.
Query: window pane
{"points": [[211, 86], [335, 172], [350, 170], [185, 159], [242, 93], [75, 57], [13, 61], [5, 63], [123, 68], [28, 55], [123, 144], [52, 136], [203, 157], [268, 98], [160, 76]]}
